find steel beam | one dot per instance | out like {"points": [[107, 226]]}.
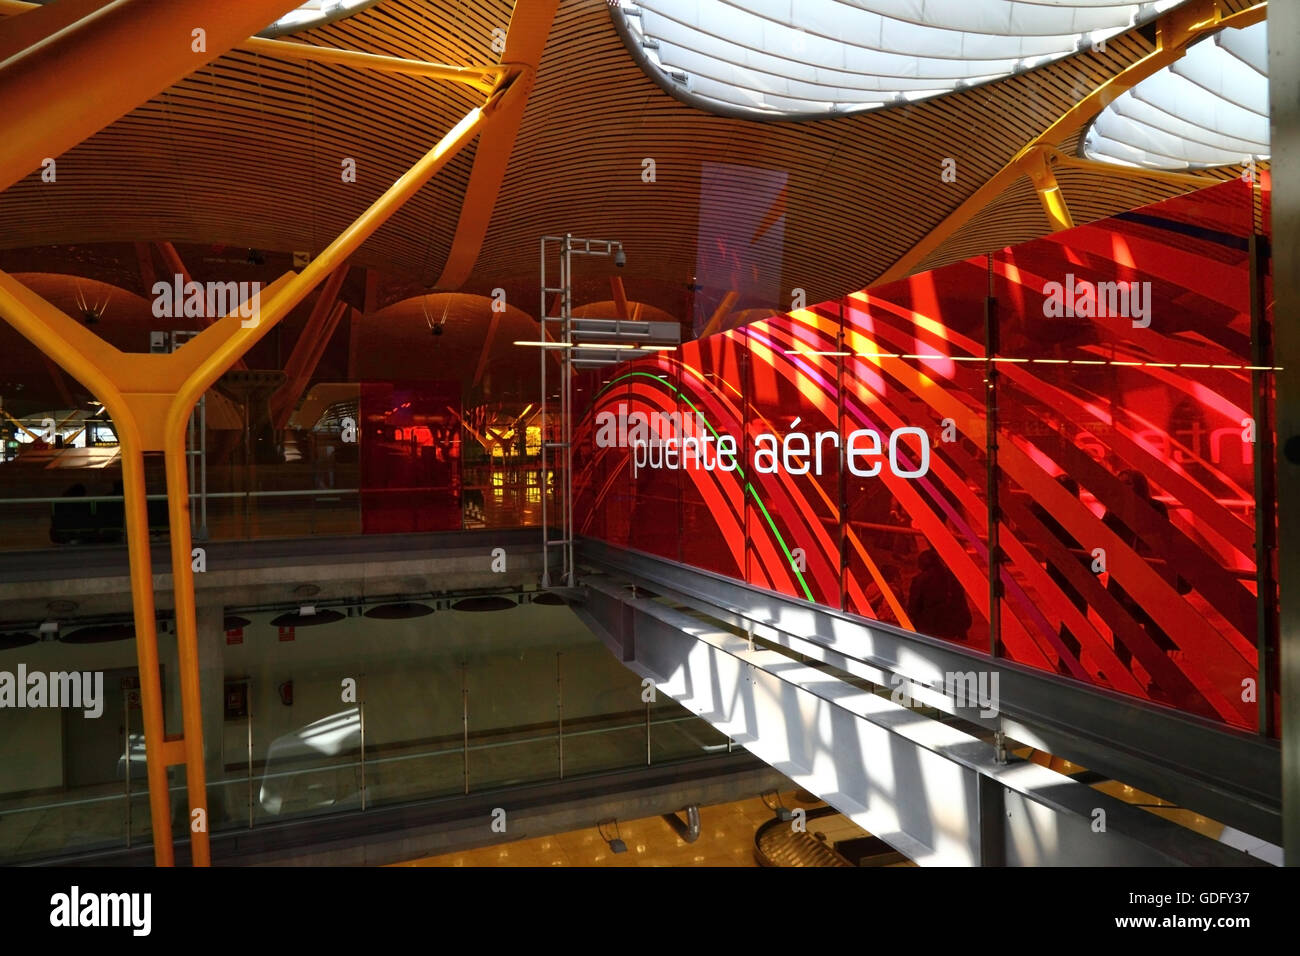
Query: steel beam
{"points": [[307, 351], [30, 30], [486, 352], [172, 260], [481, 78], [1038, 168], [927, 788], [1175, 32], [1228, 775], [1058, 158], [530, 26], [1284, 94], [41, 21], [720, 313], [144, 257], [620, 297]]}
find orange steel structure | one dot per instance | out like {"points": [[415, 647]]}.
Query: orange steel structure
{"points": [[59, 85], [150, 397], [1175, 31]]}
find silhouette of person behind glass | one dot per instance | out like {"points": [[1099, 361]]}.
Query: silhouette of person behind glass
{"points": [[936, 603]]}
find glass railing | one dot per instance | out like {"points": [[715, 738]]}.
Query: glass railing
{"points": [[352, 458], [504, 496]]}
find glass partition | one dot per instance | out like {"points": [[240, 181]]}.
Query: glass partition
{"points": [[420, 417], [1085, 408]]}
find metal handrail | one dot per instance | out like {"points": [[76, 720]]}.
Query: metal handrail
{"points": [[540, 738]]}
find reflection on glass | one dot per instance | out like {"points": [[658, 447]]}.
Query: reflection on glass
{"points": [[1115, 366]]}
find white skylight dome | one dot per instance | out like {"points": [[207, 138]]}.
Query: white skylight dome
{"points": [[314, 13], [1210, 108], [807, 58]]}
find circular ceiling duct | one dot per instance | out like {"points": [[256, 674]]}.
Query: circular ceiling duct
{"points": [[803, 59], [99, 634], [1210, 108], [493, 603], [398, 612], [16, 639]]}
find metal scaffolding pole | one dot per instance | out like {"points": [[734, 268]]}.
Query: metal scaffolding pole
{"points": [[562, 461]]}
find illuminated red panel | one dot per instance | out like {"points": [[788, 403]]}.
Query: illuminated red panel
{"points": [[1125, 454], [409, 440]]}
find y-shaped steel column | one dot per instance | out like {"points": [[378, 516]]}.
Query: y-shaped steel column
{"points": [[150, 398]]}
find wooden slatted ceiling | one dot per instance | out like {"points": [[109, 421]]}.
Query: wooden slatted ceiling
{"points": [[862, 189], [248, 150], [1017, 215]]}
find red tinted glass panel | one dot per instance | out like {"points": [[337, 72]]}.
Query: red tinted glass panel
{"points": [[917, 553], [1121, 369], [410, 456]]}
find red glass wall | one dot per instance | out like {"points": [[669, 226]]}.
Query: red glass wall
{"points": [[1086, 408]]}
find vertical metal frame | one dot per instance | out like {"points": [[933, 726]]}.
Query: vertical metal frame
{"points": [[1284, 96], [562, 461], [991, 462], [464, 720], [1261, 357]]}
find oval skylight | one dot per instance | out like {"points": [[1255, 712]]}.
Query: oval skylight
{"points": [[314, 13], [788, 59], [1210, 108]]}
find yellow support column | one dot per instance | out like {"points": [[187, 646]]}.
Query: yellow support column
{"points": [[1038, 168], [89, 359], [146, 635], [150, 399]]}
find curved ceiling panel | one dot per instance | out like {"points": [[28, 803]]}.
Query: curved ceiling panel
{"points": [[246, 153], [779, 59], [1208, 109]]}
